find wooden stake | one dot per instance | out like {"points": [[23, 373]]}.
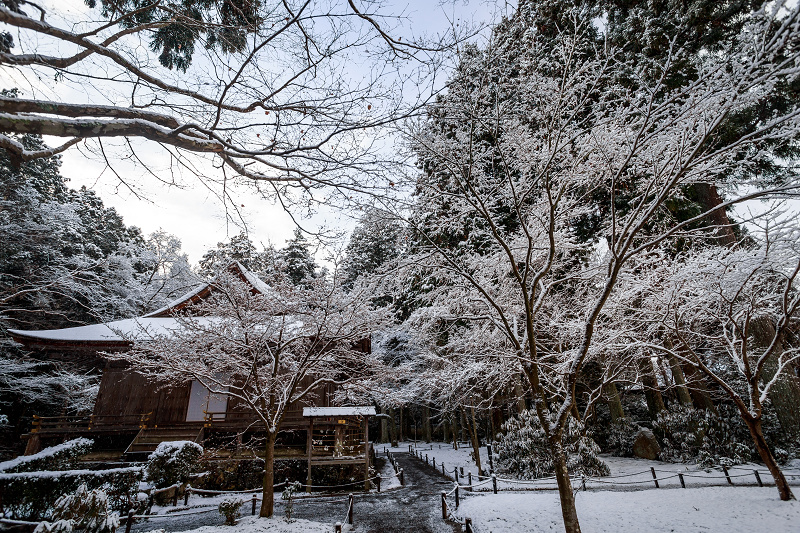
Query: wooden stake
{"points": [[655, 479]]}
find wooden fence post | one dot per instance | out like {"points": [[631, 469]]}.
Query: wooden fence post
{"points": [[378, 481], [443, 470], [129, 523], [469, 478], [680, 476], [758, 478], [186, 495], [468, 525], [402, 481], [494, 483], [338, 527], [253, 508], [351, 504], [434, 462], [444, 505], [655, 479], [727, 475], [458, 502], [426, 459]]}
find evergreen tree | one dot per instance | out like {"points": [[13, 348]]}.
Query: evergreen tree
{"points": [[376, 240], [239, 248], [298, 263]]}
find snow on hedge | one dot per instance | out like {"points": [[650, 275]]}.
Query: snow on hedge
{"points": [[253, 524], [54, 453]]}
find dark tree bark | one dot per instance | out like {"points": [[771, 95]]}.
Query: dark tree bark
{"points": [[268, 492]]}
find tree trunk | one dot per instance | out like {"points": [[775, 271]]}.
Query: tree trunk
{"points": [[697, 389], [565, 494], [519, 393], [476, 445], [268, 493], [392, 427], [707, 195], [613, 401], [680, 381], [784, 394], [426, 423], [754, 425], [400, 426], [384, 427], [655, 403], [455, 431]]}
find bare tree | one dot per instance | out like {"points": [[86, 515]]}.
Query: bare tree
{"points": [[505, 178], [285, 93], [730, 314], [266, 350]]}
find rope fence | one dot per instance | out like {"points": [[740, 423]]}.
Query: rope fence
{"points": [[547, 483]]}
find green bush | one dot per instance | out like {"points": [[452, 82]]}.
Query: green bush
{"points": [[33, 495], [61, 457], [522, 449], [172, 463], [689, 434], [84, 510], [230, 509]]}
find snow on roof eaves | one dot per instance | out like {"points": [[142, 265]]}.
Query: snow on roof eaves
{"points": [[339, 411], [177, 301], [129, 329]]}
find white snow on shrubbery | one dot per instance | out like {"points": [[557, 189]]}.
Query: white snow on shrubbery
{"points": [[46, 453]]}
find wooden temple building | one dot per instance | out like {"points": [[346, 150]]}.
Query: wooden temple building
{"points": [[132, 415]]}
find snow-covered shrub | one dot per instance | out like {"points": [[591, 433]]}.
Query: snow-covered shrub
{"points": [[231, 509], [522, 450], [32, 495], [61, 457], [621, 436], [689, 434], [173, 462], [84, 510], [288, 496]]}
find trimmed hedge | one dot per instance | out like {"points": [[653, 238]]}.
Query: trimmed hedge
{"points": [[61, 457], [32, 495]]}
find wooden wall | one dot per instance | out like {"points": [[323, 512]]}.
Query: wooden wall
{"points": [[123, 392]]}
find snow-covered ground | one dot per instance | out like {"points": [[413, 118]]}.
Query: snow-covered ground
{"points": [[626, 473], [728, 509], [275, 524]]}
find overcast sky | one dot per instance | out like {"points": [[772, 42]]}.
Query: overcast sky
{"points": [[191, 211]]}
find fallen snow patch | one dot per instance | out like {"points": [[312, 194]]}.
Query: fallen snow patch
{"points": [[729, 509]]}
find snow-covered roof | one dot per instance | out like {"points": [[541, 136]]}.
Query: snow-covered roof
{"points": [[339, 411], [177, 301], [202, 290], [129, 329], [156, 323]]}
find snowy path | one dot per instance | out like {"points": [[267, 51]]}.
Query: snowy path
{"points": [[415, 507]]}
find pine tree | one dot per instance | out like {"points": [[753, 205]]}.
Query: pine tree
{"points": [[376, 240], [299, 265]]}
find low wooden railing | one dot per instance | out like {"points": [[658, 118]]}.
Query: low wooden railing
{"points": [[69, 424]]}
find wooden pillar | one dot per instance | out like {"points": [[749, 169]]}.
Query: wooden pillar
{"points": [[309, 448], [34, 444]]}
